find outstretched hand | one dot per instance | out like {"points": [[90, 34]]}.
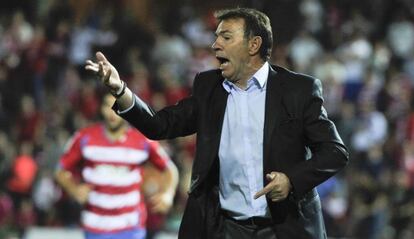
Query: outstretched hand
{"points": [[278, 187], [105, 71]]}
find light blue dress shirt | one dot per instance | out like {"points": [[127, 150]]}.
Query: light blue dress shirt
{"points": [[241, 148]]}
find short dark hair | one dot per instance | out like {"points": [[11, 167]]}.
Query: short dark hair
{"points": [[256, 23]]}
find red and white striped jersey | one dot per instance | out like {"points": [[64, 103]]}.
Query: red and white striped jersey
{"points": [[113, 170]]}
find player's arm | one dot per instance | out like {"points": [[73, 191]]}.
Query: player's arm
{"points": [[162, 200], [78, 191], [63, 175]]}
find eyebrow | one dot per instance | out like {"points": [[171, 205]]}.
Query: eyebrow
{"points": [[222, 32]]}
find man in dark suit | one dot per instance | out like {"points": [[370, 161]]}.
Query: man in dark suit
{"points": [[264, 141]]}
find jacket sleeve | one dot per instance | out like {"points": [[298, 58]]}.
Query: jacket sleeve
{"points": [[328, 153], [172, 121]]}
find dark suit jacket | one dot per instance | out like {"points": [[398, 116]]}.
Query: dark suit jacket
{"points": [[299, 140]]}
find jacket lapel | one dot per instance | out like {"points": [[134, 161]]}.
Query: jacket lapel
{"points": [[217, 108], [216, 103], [273, 107]]}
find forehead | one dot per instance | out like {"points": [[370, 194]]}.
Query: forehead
{"points": [[231, 25]]}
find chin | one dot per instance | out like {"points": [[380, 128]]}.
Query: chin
{"points": [[225, 75], [114, 127]]}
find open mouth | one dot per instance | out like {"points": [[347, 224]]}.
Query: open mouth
{"points": [[223, 61]]}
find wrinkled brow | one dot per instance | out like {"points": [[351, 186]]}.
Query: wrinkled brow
{"points": [[222, 32]]}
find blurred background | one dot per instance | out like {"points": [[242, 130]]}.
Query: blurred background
{"points": [[363, 52]]}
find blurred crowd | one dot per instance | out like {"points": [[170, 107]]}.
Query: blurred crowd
{"points": [[362, 51]]}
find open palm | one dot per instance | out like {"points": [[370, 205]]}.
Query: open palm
{"points": [[106, 72]]}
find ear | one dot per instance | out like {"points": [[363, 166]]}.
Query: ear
{"points": [[254, 45]]}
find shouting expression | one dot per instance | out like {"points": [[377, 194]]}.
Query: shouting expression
{"points": [[233, 50]]}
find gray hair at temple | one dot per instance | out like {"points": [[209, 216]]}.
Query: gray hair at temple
{"points": [[256, 24]]}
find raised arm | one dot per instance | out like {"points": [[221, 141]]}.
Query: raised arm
{"points": [[170, 122]]}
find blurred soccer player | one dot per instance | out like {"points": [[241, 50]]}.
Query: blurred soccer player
{"points": [[109, 157]]}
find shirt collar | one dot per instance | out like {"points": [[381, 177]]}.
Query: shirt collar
{"points": [[260, 78], [262, 74]]}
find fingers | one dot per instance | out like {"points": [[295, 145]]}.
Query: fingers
{"points": [[275, 196], [271, 192], [101, 57], [91, 63], [264, 191], [92, 66], [102, 67], [269, 187], [274, 189], [101, 71]]}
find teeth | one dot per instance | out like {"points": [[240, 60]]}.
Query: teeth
{"points": [[224, 64]]}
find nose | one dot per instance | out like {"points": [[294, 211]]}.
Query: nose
{"points": [[215, 45]]}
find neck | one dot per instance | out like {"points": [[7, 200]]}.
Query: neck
{"points": [[251, 69], [115, 134]]}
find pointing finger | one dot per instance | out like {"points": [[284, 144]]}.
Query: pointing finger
{"points": [[264, 191], [101, 57]]}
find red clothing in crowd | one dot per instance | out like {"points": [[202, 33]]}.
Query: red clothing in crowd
{"points": [[24, 171]]}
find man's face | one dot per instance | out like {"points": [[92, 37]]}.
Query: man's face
{"points": [[112, 121], [231, 49]]}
